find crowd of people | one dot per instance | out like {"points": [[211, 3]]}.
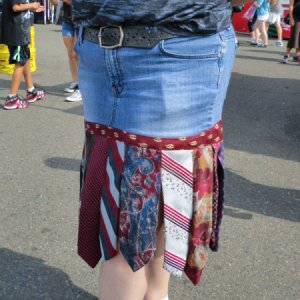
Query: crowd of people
{"points": [[265, 13], [269, 12]]}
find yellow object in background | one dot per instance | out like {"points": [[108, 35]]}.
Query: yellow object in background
{"points": [[6, 68]]}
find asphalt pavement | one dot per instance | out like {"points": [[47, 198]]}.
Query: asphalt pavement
{"points": [[259, 256]]}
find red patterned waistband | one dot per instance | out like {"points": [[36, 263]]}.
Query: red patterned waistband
{"points": [[207, 137]]}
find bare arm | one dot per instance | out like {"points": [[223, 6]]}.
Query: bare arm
{"points": [[34, 6], [292, 22]]}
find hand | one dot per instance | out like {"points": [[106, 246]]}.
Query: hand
{"points": [[292, 21], [40, 9], [36, 7]]}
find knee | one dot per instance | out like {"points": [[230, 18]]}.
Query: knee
{"points": [[72, 55], [119, 268]]}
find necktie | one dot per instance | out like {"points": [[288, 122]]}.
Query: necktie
{"points": [[109, 207], [139, 196], [218, 194], [93, 171], [202, 213], [177, 186]]}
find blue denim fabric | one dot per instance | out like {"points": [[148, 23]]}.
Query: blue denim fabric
{"points": [[67, 29], [175, 89]]}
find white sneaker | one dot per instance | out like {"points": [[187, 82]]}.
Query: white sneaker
{"points": [[71, 88], [278, 43], [285, 60], [74, 97]]}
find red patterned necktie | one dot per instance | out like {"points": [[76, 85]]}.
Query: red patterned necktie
{"points": [[92, 174], [139, 196]]}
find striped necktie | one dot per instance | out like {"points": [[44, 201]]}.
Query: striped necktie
{"points": [[177, 185]]}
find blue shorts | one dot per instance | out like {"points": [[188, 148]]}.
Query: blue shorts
{"points": [[175, 89], [68, 29]]}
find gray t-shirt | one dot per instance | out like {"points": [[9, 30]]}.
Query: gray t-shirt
{"points": [[188, 16], [277, 8]]}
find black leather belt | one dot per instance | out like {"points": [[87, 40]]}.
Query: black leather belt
{"points": [[111, 37]]}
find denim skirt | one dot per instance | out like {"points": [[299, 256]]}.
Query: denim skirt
{"points": [[175, 89], [153, 138]]}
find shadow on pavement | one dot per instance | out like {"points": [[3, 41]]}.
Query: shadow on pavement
{"points": [[241, 193], [27, 278], [258, 58], [63, 163], [55, 90], [268, 50], [261, 116]]}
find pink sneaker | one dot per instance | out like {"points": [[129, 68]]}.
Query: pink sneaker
{"points": [[15, 102], [36, 94]]}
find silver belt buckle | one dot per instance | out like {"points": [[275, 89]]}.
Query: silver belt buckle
{"points": [[119, 44]]}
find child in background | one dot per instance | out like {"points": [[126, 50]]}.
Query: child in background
{"points": [[275, 18], [251, 24], [263, 8], [15, 28]]}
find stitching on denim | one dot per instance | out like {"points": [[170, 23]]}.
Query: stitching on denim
{"points": [[221, 61], [119, 71], [115, 74], [212, 56]]}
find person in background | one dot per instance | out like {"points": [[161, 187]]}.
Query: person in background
{"points": [[275, 18], [294, 40], [15, 33], [251, 24], [263, 7], [237, 9], [69, 38]]}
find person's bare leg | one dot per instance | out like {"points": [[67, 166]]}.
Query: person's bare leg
{"points": [[279, 31], [73, 59], [267, 26], [118, 282], [157, 277], [256, 30], [16, 78], [264, 35], [287, 51], [27, 75], [257, 33]]}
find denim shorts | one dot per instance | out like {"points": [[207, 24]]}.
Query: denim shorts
{"points": [[68, 29], [175, 89]]}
